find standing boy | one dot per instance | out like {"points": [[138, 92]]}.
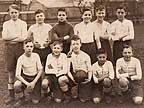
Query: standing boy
{"points": [[55, 72], [63, 30], [80, 69], [85, 30], [14, 33], [28, 73], [40, 34], [129, 75], [103, 74], [122, 32], [102, 30]]}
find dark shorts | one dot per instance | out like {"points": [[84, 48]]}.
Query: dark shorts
{"points": [[91, 50], [13, 51]]}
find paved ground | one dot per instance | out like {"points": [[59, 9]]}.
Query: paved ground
{"points": [[138, 51]]}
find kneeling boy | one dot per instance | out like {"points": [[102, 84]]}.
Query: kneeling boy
{"points": [[103, 74], [28, 72], [55, 72], [129, 75]]}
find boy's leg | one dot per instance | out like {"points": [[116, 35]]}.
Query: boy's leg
{"points": [[123, 87], [137, 91], [63, 83], [83, 89], [36, 94], [97, 93], [11, 72], [107, 89]]}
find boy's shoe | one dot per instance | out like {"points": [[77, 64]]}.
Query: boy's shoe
{"points": [[9, 100], [96, 100], [35, 101], [57, 100]]}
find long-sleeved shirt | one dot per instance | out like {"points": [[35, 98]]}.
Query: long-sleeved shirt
{"points": [[80, 61], [119, 29], [40, 33], [102, 30], [105, 69], [57, 66], [28, 65], [60, 30], [85, 32], [13, 29], [128, 69]]}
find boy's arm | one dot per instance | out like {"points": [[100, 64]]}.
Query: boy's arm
{"points": [[5, 34], [111, 71], [18, 73], [119, 71], [94, 73], [98, 43], [89, 68], [130, 35], [138, 75], [40, 69]]}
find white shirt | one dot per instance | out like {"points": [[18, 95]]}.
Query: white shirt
{"points": [[57, 66], [85, 32], [102, 29], [13, 29], [99, 71], [81, 61], [122, 28], [40, 33], [29, 65], [131, 68]]}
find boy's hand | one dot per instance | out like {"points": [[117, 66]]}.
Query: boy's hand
{"points": [[86, 81]]}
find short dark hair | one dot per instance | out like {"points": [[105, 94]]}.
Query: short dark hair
{"points": [[62, 9], [122, 7], [39, 11], [86, 9], [101, 51], [75, 38], [127, 46], [28, 40], [14, 6], [57, 43], [100, 8]]}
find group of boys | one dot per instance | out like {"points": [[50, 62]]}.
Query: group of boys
{"points": [[65, 62]]}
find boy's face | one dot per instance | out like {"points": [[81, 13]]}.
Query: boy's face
{"points": [[102, 58], [14, 14], [76, 45], [28, 47], [87, 16], [121, 13], [56, 49], [40, 18], [100, 15], [61, 16], [127, 54]]}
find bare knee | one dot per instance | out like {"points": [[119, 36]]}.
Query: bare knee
{"points": [[123, 84], [45, 83], [63, 80], [17, 86], [107, 82]]}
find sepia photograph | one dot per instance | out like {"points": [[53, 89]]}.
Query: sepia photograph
{"points": [[71, 53]]}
